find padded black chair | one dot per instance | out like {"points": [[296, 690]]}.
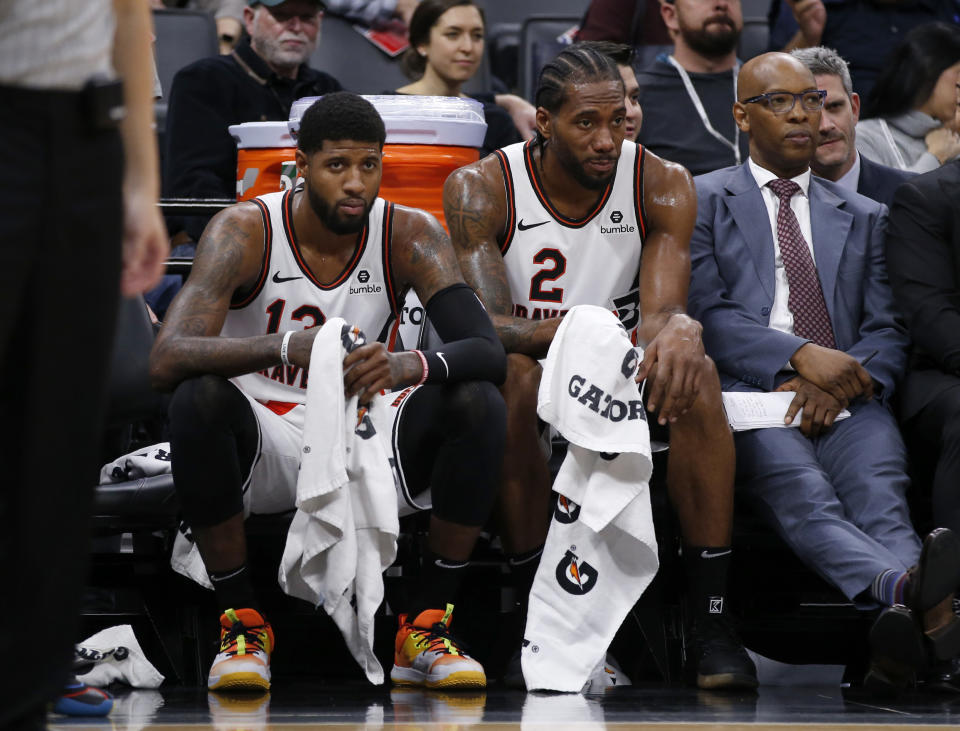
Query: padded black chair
{"points": [[148, 503], [541, 38], [355, 62], [183, 36], [504, 22]]}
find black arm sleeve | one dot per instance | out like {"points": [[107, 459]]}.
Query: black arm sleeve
{"points": [[471, 350]]}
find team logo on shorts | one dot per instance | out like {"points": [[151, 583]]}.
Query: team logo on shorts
{"points": [[566, 511], [575, 576]]}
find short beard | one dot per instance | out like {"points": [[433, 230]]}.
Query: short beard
{"points": [[328, 217], [274, 54], [576, 170], [711, 44]]}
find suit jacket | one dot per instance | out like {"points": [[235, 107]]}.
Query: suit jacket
{"points": [[732, 281], [880, 182], [923, 248]]}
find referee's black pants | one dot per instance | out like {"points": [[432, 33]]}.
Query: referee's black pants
{"points": [[60, 231]]}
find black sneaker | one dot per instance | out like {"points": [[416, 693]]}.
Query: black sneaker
{"points": [[718, 656]]}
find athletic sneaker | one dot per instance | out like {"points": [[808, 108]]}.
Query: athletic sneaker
{"points": [[427, 655], [717, 655], [79, 699], [243, 663]]}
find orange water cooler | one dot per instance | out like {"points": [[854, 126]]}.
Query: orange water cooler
{"points": [[428, 137]]}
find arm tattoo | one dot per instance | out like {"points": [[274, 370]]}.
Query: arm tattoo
{"points": [[474, 212]]}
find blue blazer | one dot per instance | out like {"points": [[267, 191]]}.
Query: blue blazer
{"points": [[880, 182], [732, 281]]}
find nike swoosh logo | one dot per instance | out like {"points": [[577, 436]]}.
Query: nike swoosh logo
{"points": [[522, 227], [280, 280], [718, 554], [444, 361]]}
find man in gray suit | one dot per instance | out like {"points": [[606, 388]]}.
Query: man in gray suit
{"points": [[789, 281]]}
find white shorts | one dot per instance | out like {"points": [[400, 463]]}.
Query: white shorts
{"points": [[271, 486]]}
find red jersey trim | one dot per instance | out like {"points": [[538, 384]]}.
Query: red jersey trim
{"points": [[638, 207], [265, 262], [542, 196], [511, 201], [295, 248]]}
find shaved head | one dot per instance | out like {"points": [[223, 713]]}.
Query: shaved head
{"points": [[763, 73], [785, 142]]}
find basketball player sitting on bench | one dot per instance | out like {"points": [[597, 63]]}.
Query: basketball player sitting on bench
{"points": [[284, 263], [561, 221]]}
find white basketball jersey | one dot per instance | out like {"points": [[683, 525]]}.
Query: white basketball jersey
{"points": [[554, 262], [288, 297]]}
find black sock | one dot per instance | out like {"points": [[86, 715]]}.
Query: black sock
{"points": [[523, 567], [234, 589], [706, 569], [439, 582]]}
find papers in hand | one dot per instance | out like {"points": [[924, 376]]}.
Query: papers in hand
{"points": [[746, 410]]}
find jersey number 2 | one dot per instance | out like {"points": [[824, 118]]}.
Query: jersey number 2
{"points": [[548, 274]]}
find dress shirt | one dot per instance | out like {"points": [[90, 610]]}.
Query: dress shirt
{"points": [[851, 179], [780, 316]]}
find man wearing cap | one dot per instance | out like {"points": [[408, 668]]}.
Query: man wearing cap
{"points": [[257, 82]]}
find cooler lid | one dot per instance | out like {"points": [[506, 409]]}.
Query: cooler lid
{"points": [[418, 120], [262, 134]]}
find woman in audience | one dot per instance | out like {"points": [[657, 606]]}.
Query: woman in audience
{"points": [[446, 48], [911, 116]]}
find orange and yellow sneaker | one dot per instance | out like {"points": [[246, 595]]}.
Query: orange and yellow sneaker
{"points": [[243, 663], [426, 654]]}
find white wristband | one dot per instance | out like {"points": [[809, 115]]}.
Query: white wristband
{"points": [[284, 347]]}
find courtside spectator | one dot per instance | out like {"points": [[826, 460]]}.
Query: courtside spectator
{"points": [[837, 158], [864, 33], [257, 82], [911, 116], [686, 96], [446, 48]]}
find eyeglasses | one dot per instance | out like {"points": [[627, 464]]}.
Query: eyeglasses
{"points": [[781, 102]]}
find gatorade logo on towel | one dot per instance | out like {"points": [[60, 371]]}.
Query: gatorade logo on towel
{"points": [[566, 511], [575, 576]]}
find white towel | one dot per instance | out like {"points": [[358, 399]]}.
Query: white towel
{"points": [[587, 390], [146, 462], [116, 655], [344, 533], [601, 550]]}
